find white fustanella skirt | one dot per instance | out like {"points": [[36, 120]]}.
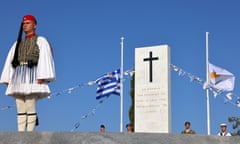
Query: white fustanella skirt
{"points": [[24, 83]]}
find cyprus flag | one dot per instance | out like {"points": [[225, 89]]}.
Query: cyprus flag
{"points": [[220, 78]]}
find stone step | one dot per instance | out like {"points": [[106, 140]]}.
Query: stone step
{"points": [[110, 138]]}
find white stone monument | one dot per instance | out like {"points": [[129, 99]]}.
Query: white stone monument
{"points": [[152, 89]]}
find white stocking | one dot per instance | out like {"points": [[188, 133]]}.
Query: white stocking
{"points": [[31, 122], [21, 120], [22, 117], [31, 112]]}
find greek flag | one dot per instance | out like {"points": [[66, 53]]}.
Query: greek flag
{"points": [[108, 84]]}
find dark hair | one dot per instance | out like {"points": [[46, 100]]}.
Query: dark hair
{"points": [[102, 126], [187, 122], [128, 125]]}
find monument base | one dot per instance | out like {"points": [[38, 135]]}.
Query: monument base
{"points": [[109, 138]]}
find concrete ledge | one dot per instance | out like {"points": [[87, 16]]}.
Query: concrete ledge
{"points": [[110, 138]]}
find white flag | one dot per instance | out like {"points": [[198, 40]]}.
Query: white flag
{"points": [[220, 78]]}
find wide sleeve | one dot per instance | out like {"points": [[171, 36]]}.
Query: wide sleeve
{"points": [[45, 68], [8, 69]]}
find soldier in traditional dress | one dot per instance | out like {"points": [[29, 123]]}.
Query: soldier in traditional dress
{"points": [[28, 69]]}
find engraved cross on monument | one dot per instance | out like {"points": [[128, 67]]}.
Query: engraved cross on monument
{"points": [[152, 89], [150, 59]]}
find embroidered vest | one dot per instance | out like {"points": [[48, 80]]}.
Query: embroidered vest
{"points": [[28, 52]]}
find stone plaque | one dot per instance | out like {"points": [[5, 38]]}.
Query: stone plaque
{"points": [[152, 89]]}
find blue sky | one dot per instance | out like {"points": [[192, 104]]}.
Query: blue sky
{"points": [[85, 36]]}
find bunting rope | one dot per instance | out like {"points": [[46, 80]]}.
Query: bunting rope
{"points": [[100, 102], [90, 113], [71, 89], [90, 83], [229, 97], [7, 107]]}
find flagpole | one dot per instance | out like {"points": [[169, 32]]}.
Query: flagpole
{"points": [[121, 87], [207, 91]]}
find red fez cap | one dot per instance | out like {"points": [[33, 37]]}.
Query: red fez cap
{"points": [[29, 17]]}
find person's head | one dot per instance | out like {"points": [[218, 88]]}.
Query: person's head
{"points": [[102, 128], [223, 127], [29, 24], [187, 124], [129, 127]]}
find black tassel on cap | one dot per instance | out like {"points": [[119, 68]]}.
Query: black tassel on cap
{"points": [[15, 61]]}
